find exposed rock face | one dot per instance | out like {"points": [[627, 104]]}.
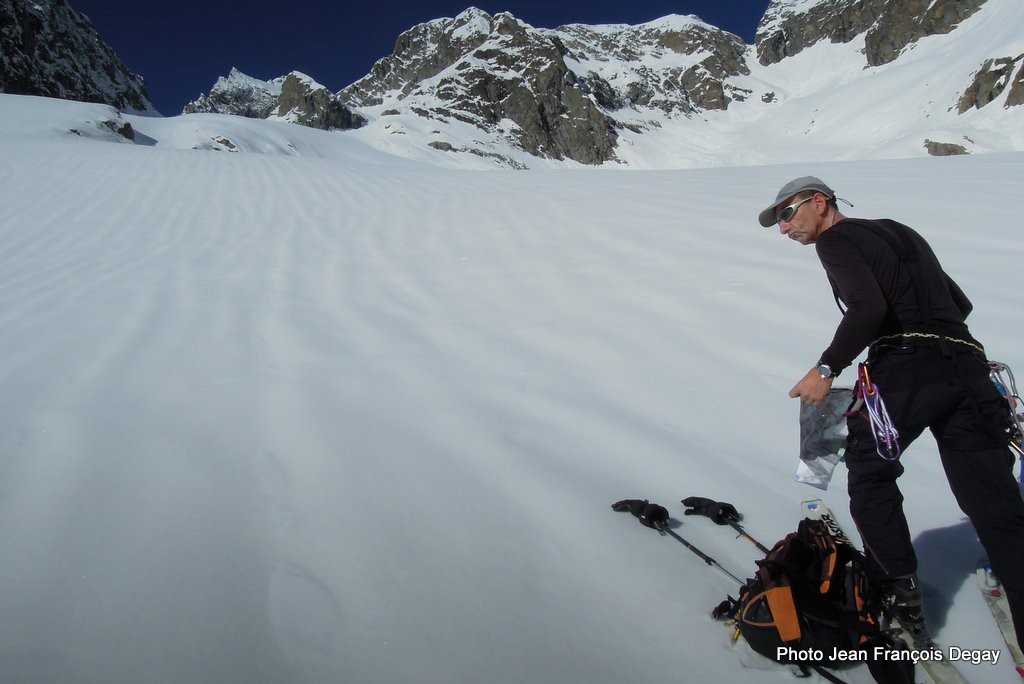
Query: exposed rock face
{"points": [[240, 95], [49, 49], [1016, 94], [484, 70], [903, 23], [944, 149], [306, 102], [787, 29], [295, 97], [420, 53], [561, 88], [676, 64], [991, 80]]}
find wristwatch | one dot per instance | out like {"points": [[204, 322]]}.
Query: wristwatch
{"points": [[825, 371]]}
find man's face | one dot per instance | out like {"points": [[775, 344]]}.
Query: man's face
{"points": [[803, 224]]}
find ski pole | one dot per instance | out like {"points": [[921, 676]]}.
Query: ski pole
{"points": [[663, 529], [743, 533]]}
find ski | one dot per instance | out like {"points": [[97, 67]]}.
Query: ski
{"points": [[817, 510], [930, 658], [992, 590]]}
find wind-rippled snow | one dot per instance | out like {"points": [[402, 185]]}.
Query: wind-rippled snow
{"points": [[274, 418]]}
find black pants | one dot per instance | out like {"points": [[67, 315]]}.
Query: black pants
{"points": [[948, 391]]}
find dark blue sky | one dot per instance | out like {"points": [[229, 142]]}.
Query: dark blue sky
{"points": [[181, 47]]}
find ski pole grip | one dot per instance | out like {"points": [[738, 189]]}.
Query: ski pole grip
{"points": [[649, 514]]}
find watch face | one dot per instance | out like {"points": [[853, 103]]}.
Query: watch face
{"points": [[825, 371]]}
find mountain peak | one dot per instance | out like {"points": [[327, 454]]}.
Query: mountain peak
{"points": [[472, 14]]}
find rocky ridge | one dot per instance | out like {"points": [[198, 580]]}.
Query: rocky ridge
{"points": [[558, 93], [295, 98], [675, 64], [497, 74], [571, 92], [49, 49]]}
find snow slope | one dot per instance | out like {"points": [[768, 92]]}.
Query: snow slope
{"points": [[321, 414]]}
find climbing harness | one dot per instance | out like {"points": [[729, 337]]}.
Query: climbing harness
{"points": [[930, 336]]}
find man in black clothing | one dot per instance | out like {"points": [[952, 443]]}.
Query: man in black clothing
{"points": [[903, 308]]}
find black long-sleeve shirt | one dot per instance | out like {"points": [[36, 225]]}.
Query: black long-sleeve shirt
{"points": [[875, 278]]}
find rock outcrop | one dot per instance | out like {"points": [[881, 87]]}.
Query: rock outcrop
{"points": [[788, 28], [991, 80], [49, 49], [295, 97], [486, 70]]}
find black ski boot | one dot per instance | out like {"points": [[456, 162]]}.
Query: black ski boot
{"points": [[901, 600]]}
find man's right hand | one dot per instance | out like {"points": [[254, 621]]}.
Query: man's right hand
{"points": [[812, 388]]}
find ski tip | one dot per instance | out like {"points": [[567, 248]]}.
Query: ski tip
{"points": [[1020, 671]]}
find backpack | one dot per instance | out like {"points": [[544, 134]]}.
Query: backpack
{"points": [[809, 599]]}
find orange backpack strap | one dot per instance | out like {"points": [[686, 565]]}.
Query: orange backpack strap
{"points": [[783, 607], [778, 593]]}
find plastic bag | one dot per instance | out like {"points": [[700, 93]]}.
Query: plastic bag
{"points": [[823, 437]]}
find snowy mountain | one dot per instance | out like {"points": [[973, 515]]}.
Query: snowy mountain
{"points": [[295, 98], [47, 48], [312, 412], [825, 79], [926, 77]]}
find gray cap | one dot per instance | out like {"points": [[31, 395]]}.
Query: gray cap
{"points": [[793, 187]]}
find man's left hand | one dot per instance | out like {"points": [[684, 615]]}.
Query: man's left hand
{"points": [[812, 388]]}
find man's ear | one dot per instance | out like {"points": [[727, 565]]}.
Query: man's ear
{"points": [[820, 203]]}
